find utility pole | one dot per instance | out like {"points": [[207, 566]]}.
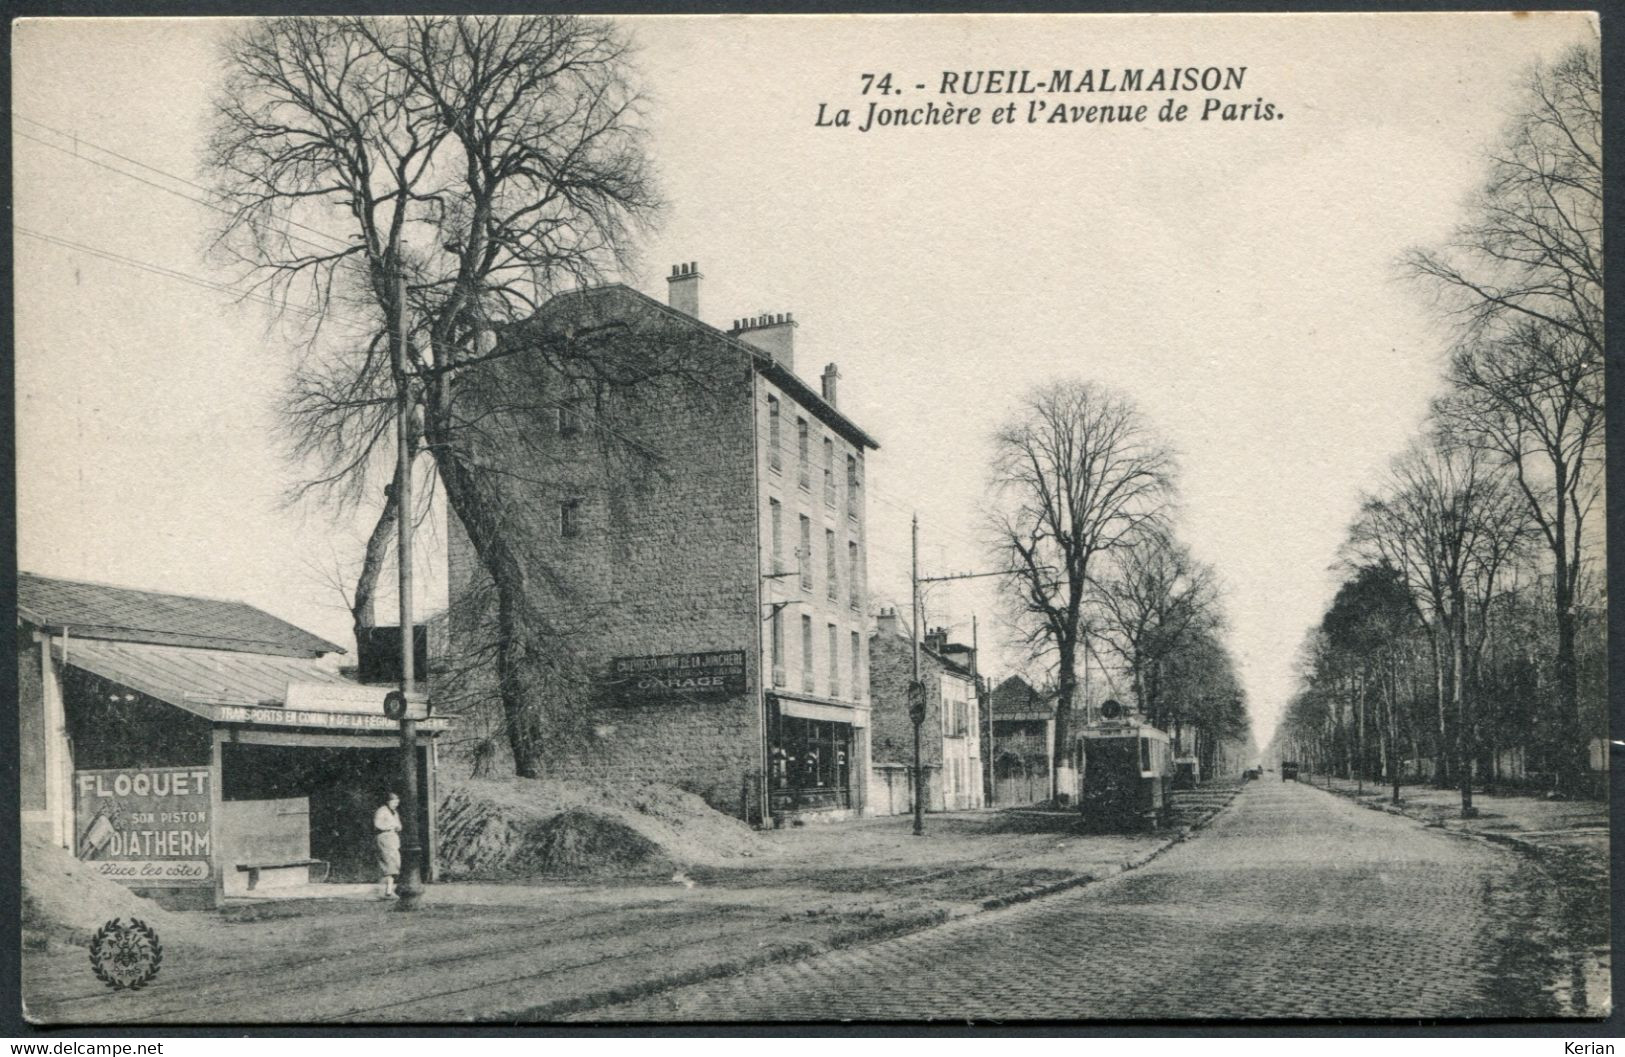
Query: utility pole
{"points": [[981, 704], [411, 886], [916, 689]]}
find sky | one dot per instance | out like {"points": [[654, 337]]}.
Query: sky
{"points": [[1237, 280]]}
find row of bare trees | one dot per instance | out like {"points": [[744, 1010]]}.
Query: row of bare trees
{"points": [[1082, 516], [1471, 623]]}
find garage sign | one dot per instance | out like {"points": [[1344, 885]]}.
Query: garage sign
{"points": [[678, 676], [145, 827]]}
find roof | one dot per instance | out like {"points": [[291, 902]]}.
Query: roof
{"points": [[98, 611], [786, 379], [231, 687], [1015, 698]]}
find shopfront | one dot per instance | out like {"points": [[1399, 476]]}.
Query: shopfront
{"points": [[811, 750], [196, 750]]}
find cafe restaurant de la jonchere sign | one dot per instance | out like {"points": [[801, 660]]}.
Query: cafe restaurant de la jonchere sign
{"points": [[146, 827], [678, 676]]}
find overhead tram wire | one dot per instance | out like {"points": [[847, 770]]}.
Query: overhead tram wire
{"points": [[74, 153], [207, 284]]}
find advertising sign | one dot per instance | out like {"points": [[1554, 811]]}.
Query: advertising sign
{"points": [[678, 676], [146, 827]]}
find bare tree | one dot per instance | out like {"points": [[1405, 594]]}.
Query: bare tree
{"points": [[426, 182], [1450, 524], [1531, 249], [1533, 400], [1076, 473], [1156, 600], [1524, 275]]}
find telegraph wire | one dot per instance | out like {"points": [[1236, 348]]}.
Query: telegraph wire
{"points": [[207, 284], [74, 153]]}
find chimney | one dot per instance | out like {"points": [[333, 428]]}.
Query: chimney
{"points": [[773, 334], [936, 640], [886, 623], [830, 377], [683, 288]]}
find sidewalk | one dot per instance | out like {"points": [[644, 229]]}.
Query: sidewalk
{"points": [[1568, 840], [538, 952], [1531, 822]]}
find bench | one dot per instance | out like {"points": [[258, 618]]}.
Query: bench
{"points": [[253, 868]]}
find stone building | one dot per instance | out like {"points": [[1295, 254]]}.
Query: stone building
{"points": [[950, 743], [708, 589]]}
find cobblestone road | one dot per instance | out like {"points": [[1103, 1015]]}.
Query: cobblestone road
{"points": [[1294, 903]]}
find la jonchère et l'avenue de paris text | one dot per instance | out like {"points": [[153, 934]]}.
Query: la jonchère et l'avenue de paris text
{"points": [[886, 111]]}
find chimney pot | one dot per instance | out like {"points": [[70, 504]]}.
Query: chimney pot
{"points": [[830, 377], [683, 288], [774, 334]]}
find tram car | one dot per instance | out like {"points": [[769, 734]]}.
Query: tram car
{"points": [[1127, 773]]}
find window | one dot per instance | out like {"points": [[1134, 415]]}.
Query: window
{"points": [[570, 417], [806, 653], [570, 518], [805, 554], [829, 563], [773, 440], [834, 645], [803, 469], [857, 667], [853, 498], [852, 577], [778, 646], [829, 472], [776, 511]]}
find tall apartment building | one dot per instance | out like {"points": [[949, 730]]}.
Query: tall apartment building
{"points": [[717, 596]]}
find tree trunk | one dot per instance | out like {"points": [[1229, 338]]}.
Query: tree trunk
{"points": [[1066, 687], [363, 608], [1462, 702], [1573, 756], [1441, 766]]}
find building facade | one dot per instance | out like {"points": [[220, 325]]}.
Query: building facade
{"points": [[950, 746], [1023, 739], [710, 587]]}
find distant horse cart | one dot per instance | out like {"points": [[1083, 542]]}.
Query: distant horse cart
{"points": [[1128, 772]]}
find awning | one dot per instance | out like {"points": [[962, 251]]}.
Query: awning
{"points": [[228, 687], [805, 708]]}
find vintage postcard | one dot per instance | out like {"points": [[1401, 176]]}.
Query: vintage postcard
{"points": [[767, 519]]}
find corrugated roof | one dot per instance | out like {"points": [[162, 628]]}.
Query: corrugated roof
{"points": [[98, 611], [225, 686], [194, 679]]}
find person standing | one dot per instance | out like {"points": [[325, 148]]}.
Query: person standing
{"points": [[386, 824]]}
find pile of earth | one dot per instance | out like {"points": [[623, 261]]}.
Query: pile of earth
{"points": [[66, 901], [507, 829]]}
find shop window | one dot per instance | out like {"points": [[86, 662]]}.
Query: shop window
{"points": [[774, 460], [810, 764]]}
